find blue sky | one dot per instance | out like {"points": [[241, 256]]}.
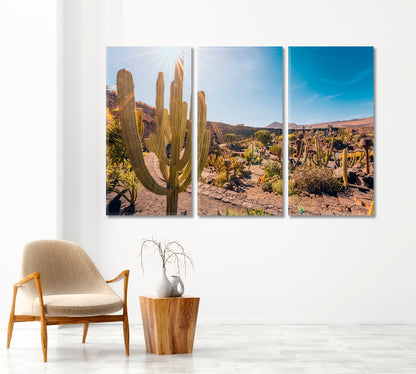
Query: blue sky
{"points": [[330, 83], [145, 63], [241, 84]]}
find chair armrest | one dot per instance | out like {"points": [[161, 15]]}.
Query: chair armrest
{"points": [[123, 274], [33, 276], [36, 277]]}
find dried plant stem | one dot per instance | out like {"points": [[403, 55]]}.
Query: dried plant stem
{"points": [[169, 252]]}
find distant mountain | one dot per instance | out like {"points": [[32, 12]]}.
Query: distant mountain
{"points": [[275, 125], [357, 123]]}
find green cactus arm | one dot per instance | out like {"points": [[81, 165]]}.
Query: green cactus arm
{"points": [[187, 153], [162, 137], [186, 177], [158, 149], [203, 148], [305, 157], [160, 105], [204, 135], [178, 111], [173, 109], [185, 172], [139, 122], [329, 152], [164, 169], [130, 132], [165, 131]]}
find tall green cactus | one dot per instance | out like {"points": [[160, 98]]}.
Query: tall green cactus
{"points": [[172, 131], [204, 135], [345, 167]]}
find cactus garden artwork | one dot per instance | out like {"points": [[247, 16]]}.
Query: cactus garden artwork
{"points": [[238, 168], [149, 131], [331, 131], [240, 113]]}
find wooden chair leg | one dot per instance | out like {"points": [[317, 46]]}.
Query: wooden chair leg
{"points": [[11, 318], [44, 339], [10, 331], [84, 334], [43, 331], [126, 334]]}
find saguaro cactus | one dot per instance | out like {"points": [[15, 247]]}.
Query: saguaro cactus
{"points": [[172, 142]]}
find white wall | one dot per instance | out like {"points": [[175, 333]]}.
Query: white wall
{"points": [[253, 270], [247, 270], [28, 133]]}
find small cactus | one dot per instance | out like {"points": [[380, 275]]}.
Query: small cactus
{"points": [[371, 209]]}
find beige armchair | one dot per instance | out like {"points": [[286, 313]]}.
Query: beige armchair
{"points": [[60, 286]]}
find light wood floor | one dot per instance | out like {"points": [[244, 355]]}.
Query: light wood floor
{"points": [[277, 349]]}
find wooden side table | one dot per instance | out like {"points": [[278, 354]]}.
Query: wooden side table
{"points": [[169, 323]]}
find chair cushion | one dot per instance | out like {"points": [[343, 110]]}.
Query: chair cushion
{"points": [[78, 305]]}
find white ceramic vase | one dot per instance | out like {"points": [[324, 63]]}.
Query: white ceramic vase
{"points": [[164, 287], [177, 286]]}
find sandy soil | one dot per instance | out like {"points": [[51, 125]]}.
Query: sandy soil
{"points": [[148, 203]]}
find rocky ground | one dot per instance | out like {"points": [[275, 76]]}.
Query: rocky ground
{"points": [[211, 199], [353, 201], [148, 203], [247, 194]]}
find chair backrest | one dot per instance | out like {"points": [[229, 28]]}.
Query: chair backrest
{"points": [[65, 268]]}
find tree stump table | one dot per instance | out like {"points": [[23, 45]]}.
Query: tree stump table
{"points": [[169, 323]]}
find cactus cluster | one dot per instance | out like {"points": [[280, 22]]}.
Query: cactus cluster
{"points": [[352, 159], [172, 142], [321, 158]]}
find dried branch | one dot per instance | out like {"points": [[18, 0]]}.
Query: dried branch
{"points": [[169, 252]]}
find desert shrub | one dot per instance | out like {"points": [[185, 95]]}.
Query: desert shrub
{"points": [[272, 169], [237, 165], [220, 179], [291, 188], [316, 180], [263, 136], [116, 148], [292, 150], [276, 150], [277, 187], [252, 157], [230, 137], [211, 159], [248, 212], [219, 164], [292, 137], [123, 181], [267, 186]]}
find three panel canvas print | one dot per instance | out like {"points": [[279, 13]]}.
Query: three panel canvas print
{"points": [[239, 162]]}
